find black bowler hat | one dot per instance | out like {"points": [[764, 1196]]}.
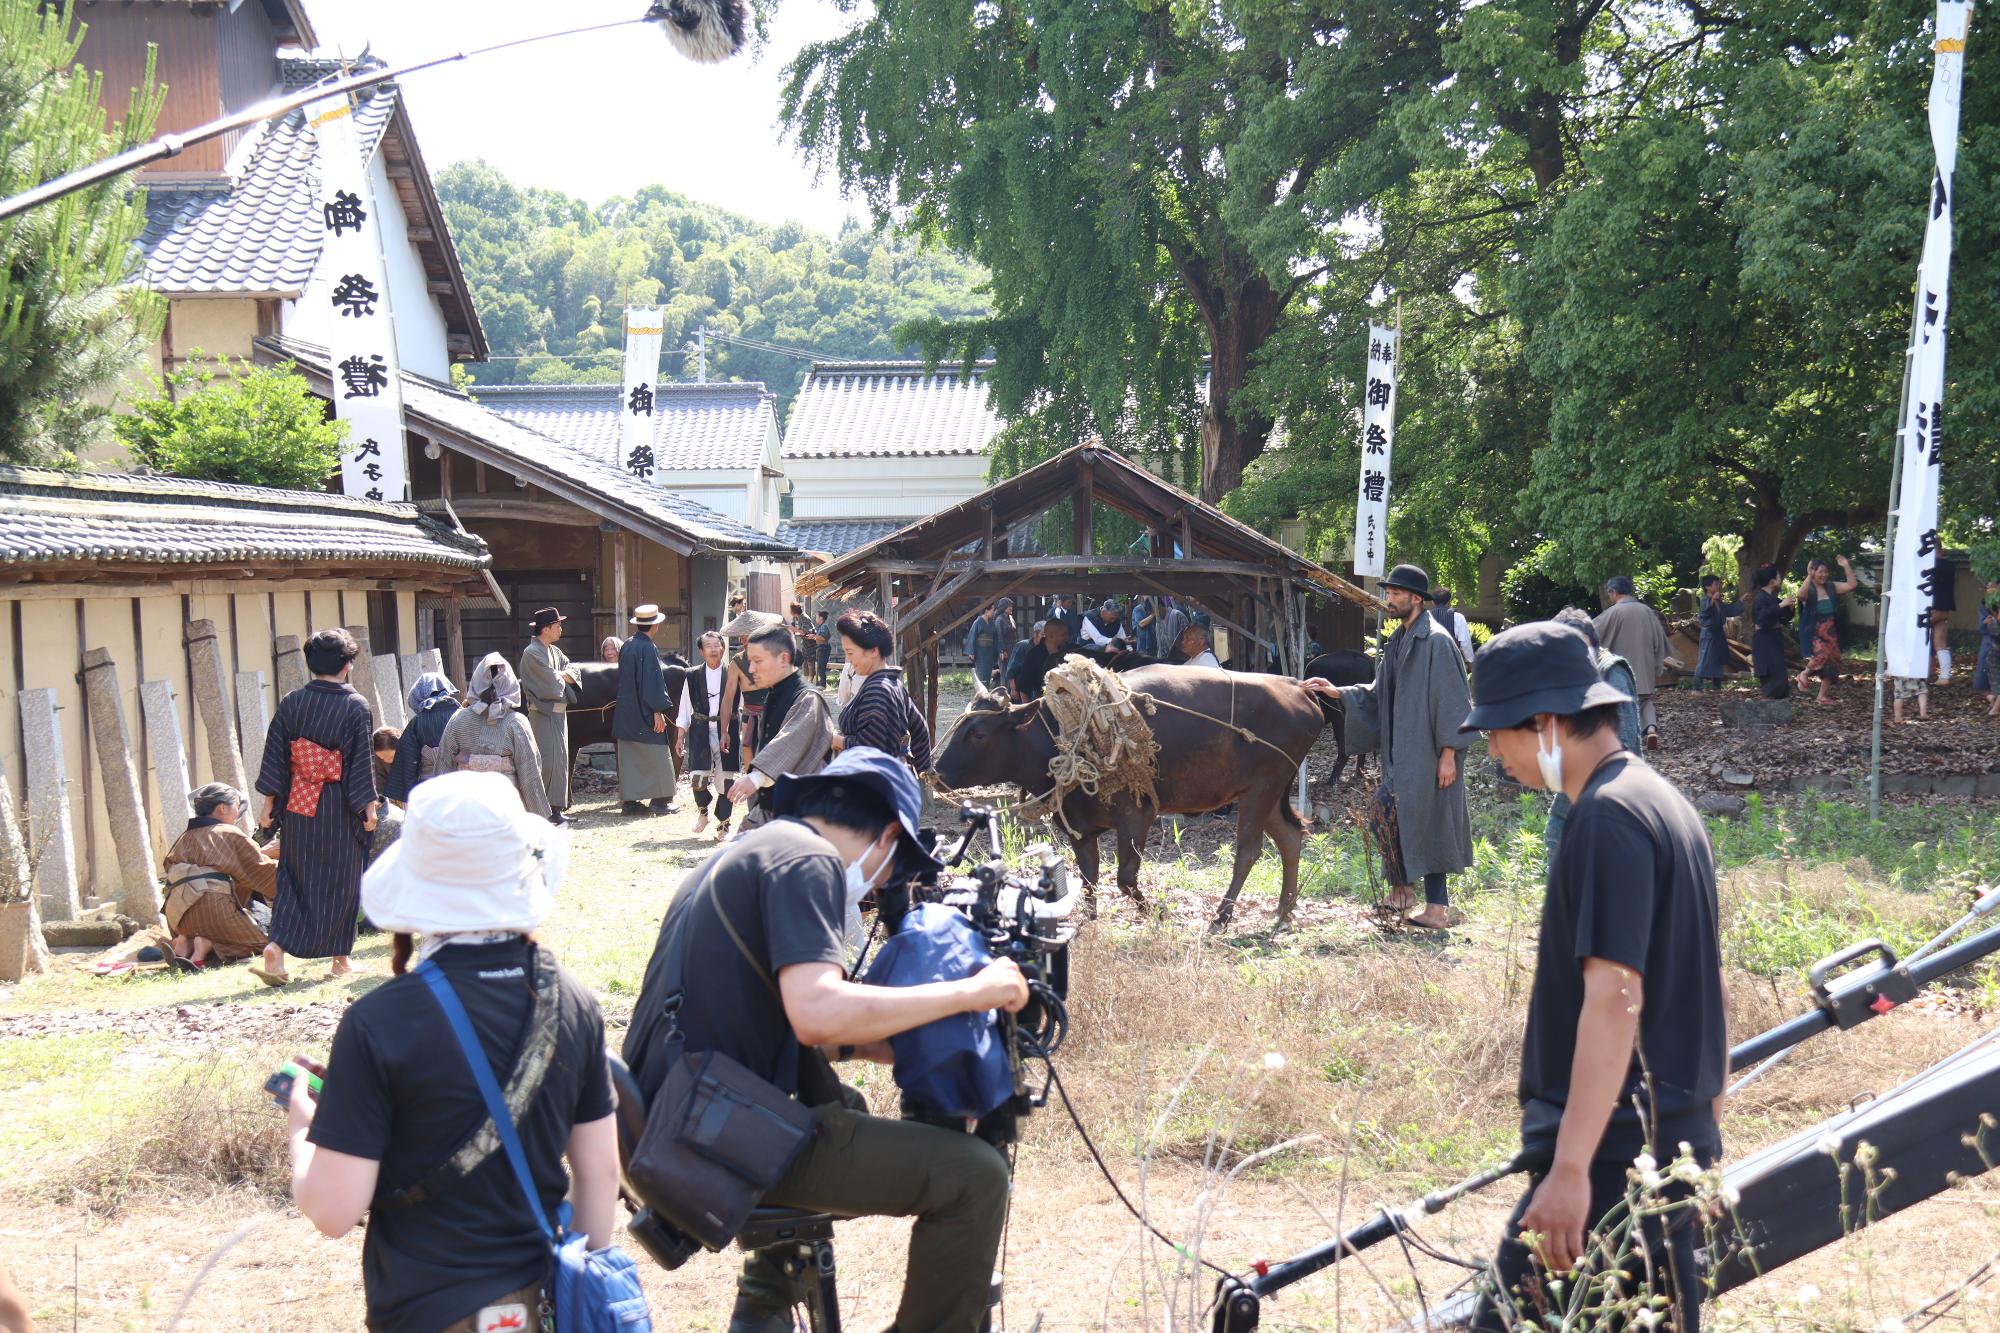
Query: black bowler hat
{"points": [[1537, 668], [1410, 578], [546, 617]]}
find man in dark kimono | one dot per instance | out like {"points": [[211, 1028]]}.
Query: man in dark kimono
{"points": [[985, 643], [639, 721], [318, 777], [1412, 710], [1042, 658], [795, 730]]}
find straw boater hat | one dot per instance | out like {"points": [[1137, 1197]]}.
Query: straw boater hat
{"points": [[649, 614], [748, 623], [470, 858]]}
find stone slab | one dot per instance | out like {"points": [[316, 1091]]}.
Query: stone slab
{"points": [[431, 659], [1749, 713], [291, 663], [164, 749], [409, 666], [215, 703], [389, 711], [362, 675], [251, 722], [1955, 784], [50, 841], [1722, 804], [1906, 784], [124, 805]]}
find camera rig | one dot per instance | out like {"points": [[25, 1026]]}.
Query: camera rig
{"points": [[1022, 915]]}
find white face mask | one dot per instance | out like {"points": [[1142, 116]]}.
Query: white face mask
{"points": [[1550, 760], [859, 882]]}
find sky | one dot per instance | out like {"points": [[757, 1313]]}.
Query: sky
{"points": [[601, 114]]}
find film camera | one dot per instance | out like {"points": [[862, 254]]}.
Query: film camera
{"points": [[1021, 914]]}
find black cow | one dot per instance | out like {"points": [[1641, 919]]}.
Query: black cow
{"points": [[597, 695], [1343, 666]]}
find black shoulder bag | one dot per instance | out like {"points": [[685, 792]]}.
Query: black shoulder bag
{"points": [[718, 1136]]}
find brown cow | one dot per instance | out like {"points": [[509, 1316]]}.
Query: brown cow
{"points": [[1203, 765]]}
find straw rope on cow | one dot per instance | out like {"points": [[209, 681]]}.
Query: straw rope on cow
{"points": [[1103, 744]]}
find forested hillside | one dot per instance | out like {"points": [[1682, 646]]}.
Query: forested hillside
{"points": [[549, 271]]}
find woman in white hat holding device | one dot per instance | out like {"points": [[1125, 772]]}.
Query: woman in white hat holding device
{"points": [[400, 1130]]}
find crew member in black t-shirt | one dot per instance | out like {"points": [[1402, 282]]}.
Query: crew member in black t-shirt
{"points": [[396, 1131], [1043, 658], [787, 886], [1626, 1049]]}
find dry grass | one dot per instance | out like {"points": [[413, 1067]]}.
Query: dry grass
{"points": [[136, 1139]]}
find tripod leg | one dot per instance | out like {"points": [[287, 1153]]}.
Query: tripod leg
{"points": [[826, 1300]]}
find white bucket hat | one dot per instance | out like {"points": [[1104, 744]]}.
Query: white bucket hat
{"points": [[470, 858]]}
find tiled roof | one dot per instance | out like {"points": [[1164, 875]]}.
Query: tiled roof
{"points": [[604, 489], [260, 232], [863, 409], [99, 518], [836, 536], [695, 426]]}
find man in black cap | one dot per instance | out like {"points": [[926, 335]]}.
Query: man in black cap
{"points": [[546, 677], [768, 983], [1412, 709], [1626, 1048]]}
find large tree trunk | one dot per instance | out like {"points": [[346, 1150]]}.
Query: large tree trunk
{"points": [[1775, 536], [1230, 439]]}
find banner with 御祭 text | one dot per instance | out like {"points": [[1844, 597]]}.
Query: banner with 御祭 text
{"points": [[1378, 439], [1915, 565], [361, 330], [643, 328]]}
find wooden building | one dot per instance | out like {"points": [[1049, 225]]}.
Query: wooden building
{"points": [[939, 571], [128, 563], [567, 528]]}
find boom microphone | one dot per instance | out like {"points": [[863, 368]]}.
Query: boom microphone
{"points": [[709, 31]]}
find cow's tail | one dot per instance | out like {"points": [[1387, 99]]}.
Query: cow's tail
{"points": [[1291, 815]]}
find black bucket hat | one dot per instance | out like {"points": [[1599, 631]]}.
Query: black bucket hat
{"points": [[1538, 668], [1410, 578]]}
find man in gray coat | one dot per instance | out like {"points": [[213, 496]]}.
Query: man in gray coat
{"points": [[1634, 631], [546, 675], [1412, 711], [639, 721]]}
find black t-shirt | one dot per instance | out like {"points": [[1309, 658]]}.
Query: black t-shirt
{"points": [[1633, 883], [398, 1092], [785, 892]]}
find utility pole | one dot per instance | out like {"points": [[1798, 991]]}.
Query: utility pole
{"points": [[701, 356]]}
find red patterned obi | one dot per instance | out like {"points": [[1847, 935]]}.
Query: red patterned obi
{"points": [[313, 766]]}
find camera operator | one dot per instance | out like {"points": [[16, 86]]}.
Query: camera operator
{"points": [[786, 888]]}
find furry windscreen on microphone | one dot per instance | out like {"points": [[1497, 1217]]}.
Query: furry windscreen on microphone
{"points": [[709, 31]]}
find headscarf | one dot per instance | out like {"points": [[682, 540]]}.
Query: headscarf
{"points": [[495, 689], [431, 688]]}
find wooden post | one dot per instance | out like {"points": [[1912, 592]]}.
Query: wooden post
{"points": [[1083, 507], [17, 895], [885, 605], [619, 595], [132, 842], [454, 639], [931, 691], [291, 665], [213, 702], [250, 721], [164, 749], [51, 844]]}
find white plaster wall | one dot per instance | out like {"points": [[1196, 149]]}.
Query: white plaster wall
{"points": [[420, 326], [863, 488]]}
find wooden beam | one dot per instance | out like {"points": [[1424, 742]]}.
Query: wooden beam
{"points": [[527, 511], [915, 615], [885, 603], [618, 573], [399, 171], [1187, 534], [1084, 506], [440, 287], [454, 640], [418, 232]]}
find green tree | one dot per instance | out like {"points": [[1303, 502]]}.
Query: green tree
{"points": [[257, 425], [1157, 189], [69, 327]]}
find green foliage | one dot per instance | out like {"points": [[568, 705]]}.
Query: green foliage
{"points": [[68, 325], [257, 425], [1538, 585], [551, 274], [1721, 555]]}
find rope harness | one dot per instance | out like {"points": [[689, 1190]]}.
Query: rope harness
{"points": [[1103, 743]]}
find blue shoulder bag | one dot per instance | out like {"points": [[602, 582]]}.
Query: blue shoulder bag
{"points": [[594, 1291]]}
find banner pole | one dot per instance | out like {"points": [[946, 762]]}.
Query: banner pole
{"points": [[1888, 561]]}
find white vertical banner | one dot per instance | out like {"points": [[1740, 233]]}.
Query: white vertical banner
{"points": [[1906, 619], [643, 326], [1378, 440], [361, 331]]}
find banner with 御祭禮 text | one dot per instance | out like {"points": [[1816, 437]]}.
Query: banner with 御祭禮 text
{"points": [[1914, 564], [361, 329], [643, 328], [1378, 439]]}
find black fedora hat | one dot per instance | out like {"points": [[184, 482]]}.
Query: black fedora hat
{"points": [[1410, 578], [546, 617], [1537, 668]]}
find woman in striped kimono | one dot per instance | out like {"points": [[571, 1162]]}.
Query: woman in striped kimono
{"points": [[318, 777], [490, 734]]}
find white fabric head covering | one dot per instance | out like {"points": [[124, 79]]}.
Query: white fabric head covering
{"points": [[470, 858], [494, 673], [428, 689]]}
